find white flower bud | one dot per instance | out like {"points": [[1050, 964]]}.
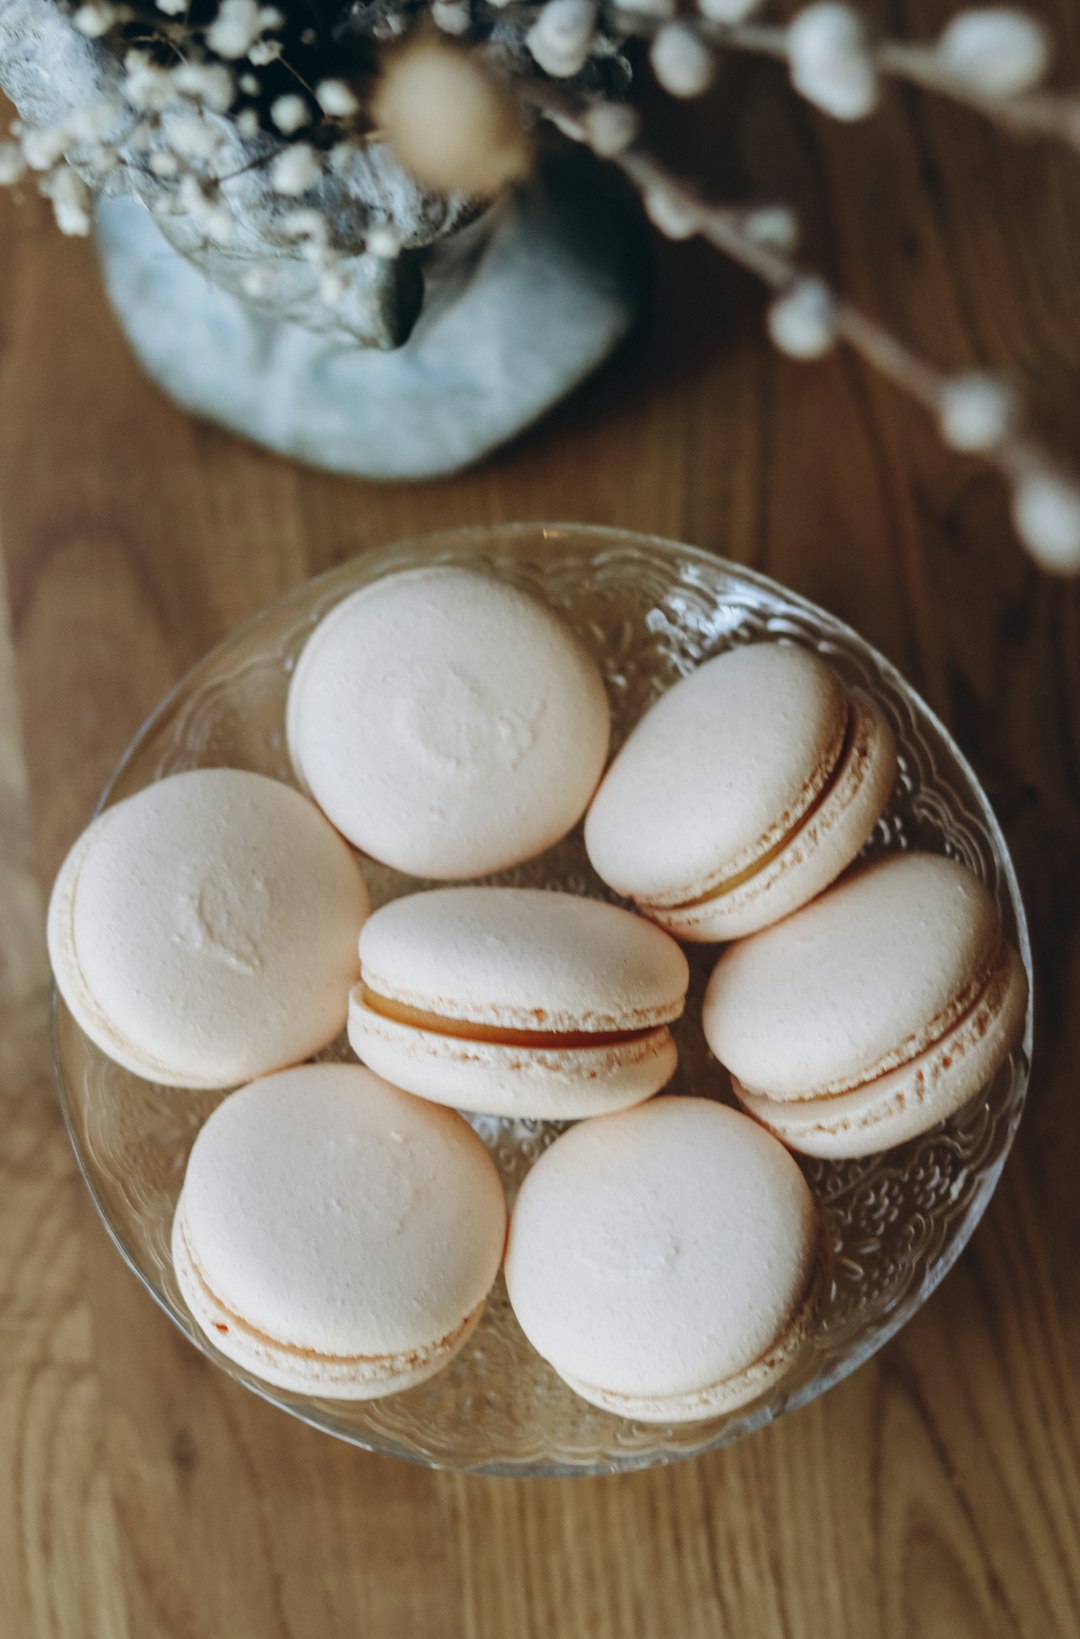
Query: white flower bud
{"points": [[295, 169], [172, 8], [189, 134], [337, 99], [451, 120], [975, 412], [611, 127], [95, 18], [676, 218], [1046, 511], [995, 51], [163, 163], [12, 164], [774, 226], [264, 52], [43, 146], [451, 16], [830, 60], [235, 29], [728, 11], [71, 202], [561, 37], [289, 113], [383, 242], [681, 61], [801, 321], [247, 123], [211, 84], [147, 86]]}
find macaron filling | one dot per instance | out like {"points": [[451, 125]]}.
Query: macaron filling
{"points": [[841, 763], [498, 1035]]}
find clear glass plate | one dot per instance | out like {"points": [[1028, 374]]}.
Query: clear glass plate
{"points": [[650, 611]]}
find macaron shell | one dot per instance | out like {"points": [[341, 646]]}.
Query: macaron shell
{"points": [[523, 958], [203, 931], [303, 1371], [717, 772], [857, 982], [447, 723], [826, 842], [77, 996], [497, 1079], [911, 1099], [657, 1254], [730, 1393], [345, 1233]]}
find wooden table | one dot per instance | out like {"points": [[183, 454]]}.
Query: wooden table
{"points": [[936, 1494]]}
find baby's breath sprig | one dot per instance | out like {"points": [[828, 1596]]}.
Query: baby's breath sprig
{"points": [[221, 113]]}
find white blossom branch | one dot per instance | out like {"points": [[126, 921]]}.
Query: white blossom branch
{"points": [[989, 60], [974, 412]]}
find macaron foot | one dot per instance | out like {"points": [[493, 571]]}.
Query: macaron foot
{"points": [[308, 1371], [914, 1097], [730, 1393], [808, 857]]}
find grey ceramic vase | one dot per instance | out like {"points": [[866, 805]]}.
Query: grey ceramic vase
{"points": [[426, 361]]}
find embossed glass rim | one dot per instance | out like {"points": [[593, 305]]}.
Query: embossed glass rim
{"points": [[595, 543]]}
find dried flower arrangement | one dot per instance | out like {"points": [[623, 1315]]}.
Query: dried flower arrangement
{"points": [[300, 151]]}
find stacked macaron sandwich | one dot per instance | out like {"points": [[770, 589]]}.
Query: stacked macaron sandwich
{"points": [[340, 1225]]}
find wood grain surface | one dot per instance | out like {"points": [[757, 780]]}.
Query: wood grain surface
{"points": [[936, 1494]]}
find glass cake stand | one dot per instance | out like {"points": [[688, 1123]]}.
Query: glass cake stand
{"points": [[650, 611]]}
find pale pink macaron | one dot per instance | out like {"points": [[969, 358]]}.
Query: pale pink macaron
{"points": [[204, 930], [335, 1236], [447, 723], [515, 1001], [743, 792], [668, 1262], [872, 1014]]}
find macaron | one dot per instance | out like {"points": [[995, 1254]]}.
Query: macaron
{"points": [[334, 1236], [448, 724], [667, 1261], [742, 793], [517, 1002], [204, 930], [872, 1014]]}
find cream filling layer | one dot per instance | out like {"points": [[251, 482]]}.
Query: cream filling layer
{"points": [[441, 1024]]}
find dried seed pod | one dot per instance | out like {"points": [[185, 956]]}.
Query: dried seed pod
{"points": [[451, 120]]}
